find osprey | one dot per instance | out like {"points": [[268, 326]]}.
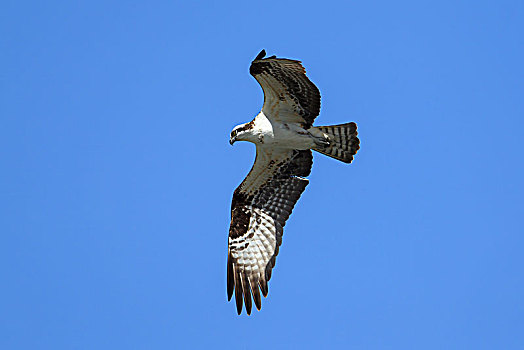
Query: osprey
{"points": [[284, 136]]}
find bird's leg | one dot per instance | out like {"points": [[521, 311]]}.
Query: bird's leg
{"points": [[319, 137]]}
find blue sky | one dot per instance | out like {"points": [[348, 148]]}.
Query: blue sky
{"points": [[116, 175]]}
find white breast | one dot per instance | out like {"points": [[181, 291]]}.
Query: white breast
{"points": [[281, 135]]}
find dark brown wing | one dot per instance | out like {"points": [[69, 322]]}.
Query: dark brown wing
{"points": [[289, 95], [261, 205]]}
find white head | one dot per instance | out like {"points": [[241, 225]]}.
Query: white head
{"points": [[242, 132]]}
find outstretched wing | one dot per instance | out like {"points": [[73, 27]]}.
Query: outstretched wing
{"points": [[261, 205], [289, 95]]}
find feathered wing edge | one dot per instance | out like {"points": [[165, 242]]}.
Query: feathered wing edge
{"points": [[270, 205], [285, 83]]}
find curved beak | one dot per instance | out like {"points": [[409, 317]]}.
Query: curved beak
{"points": [[232, 141]]}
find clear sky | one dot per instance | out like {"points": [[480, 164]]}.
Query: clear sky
{"points": [[116, 175]]}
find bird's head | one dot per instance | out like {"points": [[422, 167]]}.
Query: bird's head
{"points": [[241, 133]]}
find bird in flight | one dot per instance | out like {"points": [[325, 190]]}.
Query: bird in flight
{"points": [[284, 136]]}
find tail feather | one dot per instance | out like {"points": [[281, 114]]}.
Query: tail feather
{"points": [[343, 141]]}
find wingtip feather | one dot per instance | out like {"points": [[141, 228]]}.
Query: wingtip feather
{"points": [[263, 287], [238, 297], [247, 294], [256, 297], [261, 55], [230, 277]]}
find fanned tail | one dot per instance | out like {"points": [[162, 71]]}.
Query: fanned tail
{"points": [[343, 141]]}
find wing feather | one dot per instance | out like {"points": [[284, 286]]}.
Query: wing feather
{"points": [[256, 294], [260, 208], [238, 291], [247, 292], [289, 95]]}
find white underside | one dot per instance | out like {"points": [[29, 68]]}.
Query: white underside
{"points": [[267, 133]]}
